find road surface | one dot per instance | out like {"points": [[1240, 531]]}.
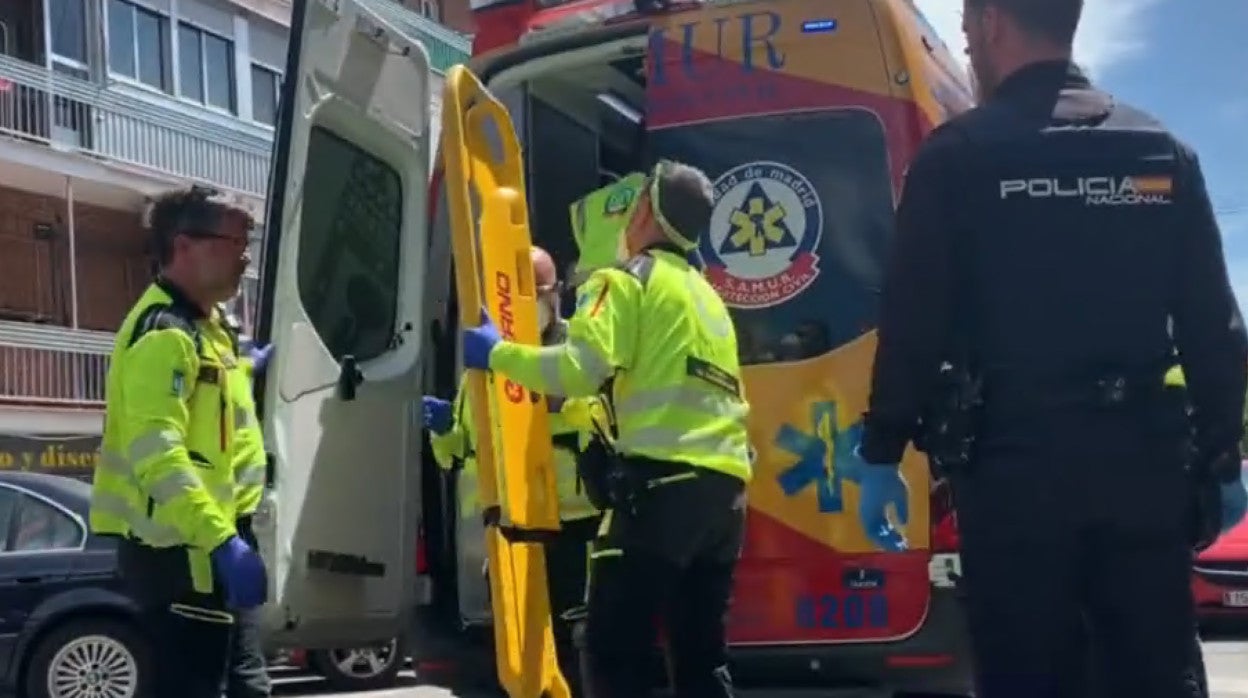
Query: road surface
{"points": [[1227, 663]]}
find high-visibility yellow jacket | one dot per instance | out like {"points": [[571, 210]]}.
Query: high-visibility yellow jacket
{"points": [[569, 429], [249, 460], [166, 470], [677, 393]]}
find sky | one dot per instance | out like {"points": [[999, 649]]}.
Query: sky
{"points": [[1183, 61]]}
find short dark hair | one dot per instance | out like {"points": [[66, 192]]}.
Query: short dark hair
{"points": [[196, 210], [686, 197], [1052, 20]]}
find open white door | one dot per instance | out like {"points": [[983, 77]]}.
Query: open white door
{"points": [[342, 302]]}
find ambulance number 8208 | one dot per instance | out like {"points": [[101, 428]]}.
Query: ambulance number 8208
{"points": [[850, 611]]}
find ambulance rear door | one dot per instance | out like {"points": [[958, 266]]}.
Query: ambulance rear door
{"points": [[342, 302]]}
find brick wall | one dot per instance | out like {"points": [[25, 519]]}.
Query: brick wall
{"points": [[457, 16], [34, 261]]}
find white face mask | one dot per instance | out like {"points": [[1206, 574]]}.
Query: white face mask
{"points": [[545, 316], [621, 251]]}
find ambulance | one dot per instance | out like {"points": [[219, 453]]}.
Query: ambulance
{"points": [[804, 113]]}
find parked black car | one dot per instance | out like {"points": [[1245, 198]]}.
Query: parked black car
{"points": [[66, 628]]}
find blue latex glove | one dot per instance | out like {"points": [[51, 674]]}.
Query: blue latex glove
{"points": [[259, 356], [880, 486], [479, 342], [1234, 504], [241, 572], [437, 415]]}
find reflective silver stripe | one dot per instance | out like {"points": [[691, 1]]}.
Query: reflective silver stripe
{"points": [[548, 359], [173, 484], [717, 404], [242, 417], [592, 366], [250, 476], [114, 463], [690, 442], [222, 493], [153, 443], [148, 531]]}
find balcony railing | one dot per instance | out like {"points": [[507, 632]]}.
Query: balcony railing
{"points": [[53, 366], [72, 114]]}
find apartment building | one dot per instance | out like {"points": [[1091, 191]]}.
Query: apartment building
{"points": [[104, 103]]}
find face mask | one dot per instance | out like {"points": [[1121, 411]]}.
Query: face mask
{"points": [[621, 250], [545, 316]]}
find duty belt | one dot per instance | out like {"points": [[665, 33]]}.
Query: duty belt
{"points": [[1109, 391]]}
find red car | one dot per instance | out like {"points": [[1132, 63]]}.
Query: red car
{"points": [[1220, 581]]}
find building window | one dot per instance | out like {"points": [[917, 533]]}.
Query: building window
{"points": [[206, 68], [68, 20], [138, 45], [266, 85], [429, 9]]}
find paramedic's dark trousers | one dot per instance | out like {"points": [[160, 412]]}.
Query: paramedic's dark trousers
{"points": [[247, 675], [566, 566], [1069, 515], [190, 631], [673, 558]]}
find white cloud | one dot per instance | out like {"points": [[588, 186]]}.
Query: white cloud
{"points": [[1111, 33]]}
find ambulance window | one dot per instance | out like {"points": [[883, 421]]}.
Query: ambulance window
{"points": [[349, 246], [804, 210]]}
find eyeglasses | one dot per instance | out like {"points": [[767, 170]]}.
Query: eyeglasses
{"points": [[555, 288], [236, 240]]}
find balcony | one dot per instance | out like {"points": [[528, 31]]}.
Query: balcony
{"points": [[53, 366], [70, 114]]}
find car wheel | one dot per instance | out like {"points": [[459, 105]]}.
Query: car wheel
{"points": [[89, 658], [360, 668]]}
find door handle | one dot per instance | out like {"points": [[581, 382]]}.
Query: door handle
{"points": [[29, 580]]}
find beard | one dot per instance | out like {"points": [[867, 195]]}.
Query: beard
{"points": [[983, 77]]}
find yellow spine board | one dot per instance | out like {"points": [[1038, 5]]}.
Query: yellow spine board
{"points": [[513, 443]]}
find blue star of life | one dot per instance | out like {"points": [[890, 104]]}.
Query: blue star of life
{"points": [[814, 467]]}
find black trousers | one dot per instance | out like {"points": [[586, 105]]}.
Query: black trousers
{"points": [[670, 560], [190, 631], [1074, 524], [1197, 680], [567, 564], [248, 672]]}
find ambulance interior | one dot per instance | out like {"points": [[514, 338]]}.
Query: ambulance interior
{"points": [[581, 122]]}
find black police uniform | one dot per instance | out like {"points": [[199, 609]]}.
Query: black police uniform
{"points": [[1063, 246]]}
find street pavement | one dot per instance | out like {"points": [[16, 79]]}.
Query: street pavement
{"points": [[1227, 663]]}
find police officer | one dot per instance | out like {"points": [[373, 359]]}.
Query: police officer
{"points": [[1057, 248], [165, 483], [248, 675], [655, 340], [454, 442]]}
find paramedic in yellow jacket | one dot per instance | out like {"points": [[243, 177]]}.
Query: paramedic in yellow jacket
{"points": [[655, 339], [165, 484], [454, 443], [248, 674]]}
